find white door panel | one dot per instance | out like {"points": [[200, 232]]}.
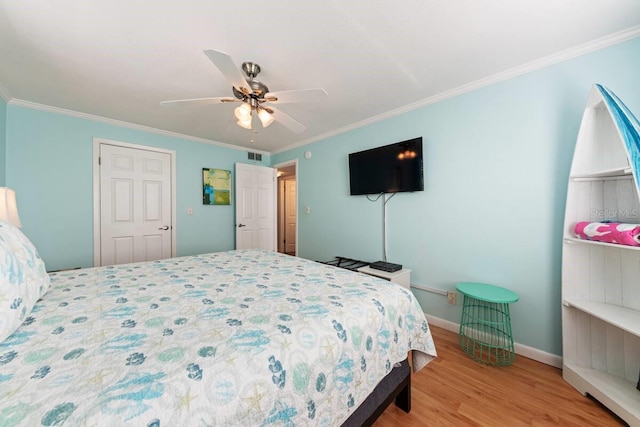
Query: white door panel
{"points": [[152, 197], [122, 248], [255, 207], [135, 205], [153, 246], [122, 190]]}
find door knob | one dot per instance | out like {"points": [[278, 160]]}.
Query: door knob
{"points": [[166, 227], [241, 225]]}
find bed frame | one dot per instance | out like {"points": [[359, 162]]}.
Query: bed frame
{"points": [[395, 386]]}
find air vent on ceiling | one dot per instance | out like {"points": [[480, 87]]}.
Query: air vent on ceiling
{"points": [[254, 156]]}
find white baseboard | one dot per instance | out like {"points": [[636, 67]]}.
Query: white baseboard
{"points": [[521, 349]]}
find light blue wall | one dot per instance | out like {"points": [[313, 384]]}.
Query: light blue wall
{"points": [[50, 166], [3, 141], [496, 163]]}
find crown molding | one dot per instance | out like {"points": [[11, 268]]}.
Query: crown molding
{"points": [[538, 64], [556, 58], [120, 123], [4, 94]]}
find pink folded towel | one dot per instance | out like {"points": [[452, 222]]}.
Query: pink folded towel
{"points": [[609, 232]]}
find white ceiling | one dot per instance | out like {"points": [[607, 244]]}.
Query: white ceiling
{"points": [[118, 59]]}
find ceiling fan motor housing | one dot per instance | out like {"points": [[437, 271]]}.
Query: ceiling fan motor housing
{"points": [[258, 89], [251, 69]]}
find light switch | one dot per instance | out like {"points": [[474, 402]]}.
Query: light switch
{"points": [[307, 210]]}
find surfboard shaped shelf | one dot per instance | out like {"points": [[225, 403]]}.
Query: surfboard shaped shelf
{"points": [[601, 281]]}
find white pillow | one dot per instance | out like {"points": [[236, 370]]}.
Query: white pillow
{"points": [[23, 278]]}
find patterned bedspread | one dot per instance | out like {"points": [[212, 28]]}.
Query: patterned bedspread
{"points": [[249, 338]]}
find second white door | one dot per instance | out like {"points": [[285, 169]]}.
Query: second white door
{"points": [[255, 207]]}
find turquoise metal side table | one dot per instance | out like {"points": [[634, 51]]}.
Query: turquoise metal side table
{"points": [[485, 329]]}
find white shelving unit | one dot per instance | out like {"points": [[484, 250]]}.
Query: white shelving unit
{"points": [[601, 281]]}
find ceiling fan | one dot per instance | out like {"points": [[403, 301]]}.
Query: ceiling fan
{"points": [[257, 101]]}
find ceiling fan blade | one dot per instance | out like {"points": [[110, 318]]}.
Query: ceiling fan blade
{"points": [[228, 69], [291, 96], [288, 121], [198, 101]]}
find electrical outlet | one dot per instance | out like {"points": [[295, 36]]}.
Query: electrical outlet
{"points": [[451, 297]]}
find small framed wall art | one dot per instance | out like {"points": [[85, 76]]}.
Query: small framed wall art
{"points": [[216, 186]]}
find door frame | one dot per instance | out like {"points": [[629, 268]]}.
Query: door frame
{"points": [[293, 163], [282, 208], [97, 142]]}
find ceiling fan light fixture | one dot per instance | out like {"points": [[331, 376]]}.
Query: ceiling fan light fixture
{"points": [[243, 112], [246, 123], [265, 117]]}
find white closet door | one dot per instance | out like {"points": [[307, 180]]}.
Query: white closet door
{"points": [[135, 205]]}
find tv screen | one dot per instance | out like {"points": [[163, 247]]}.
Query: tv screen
{"points": [[389, 169]]}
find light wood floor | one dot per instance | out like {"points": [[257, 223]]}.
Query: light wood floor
{"points": [[453, 390]]}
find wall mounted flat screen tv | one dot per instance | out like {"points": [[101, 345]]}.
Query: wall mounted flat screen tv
{"points": [[389, 169]]}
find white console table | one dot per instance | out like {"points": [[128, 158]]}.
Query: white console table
{"points": [[401, 277]]}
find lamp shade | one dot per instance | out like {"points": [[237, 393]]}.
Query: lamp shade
{"points": [[243, 112], [265, 117], [245, 123], [8, 207]]}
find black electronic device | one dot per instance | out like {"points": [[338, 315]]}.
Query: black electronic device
{"points": [[385, 266], [388, 169]]}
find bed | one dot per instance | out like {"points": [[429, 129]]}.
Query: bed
{"points": [[249, 337]]}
